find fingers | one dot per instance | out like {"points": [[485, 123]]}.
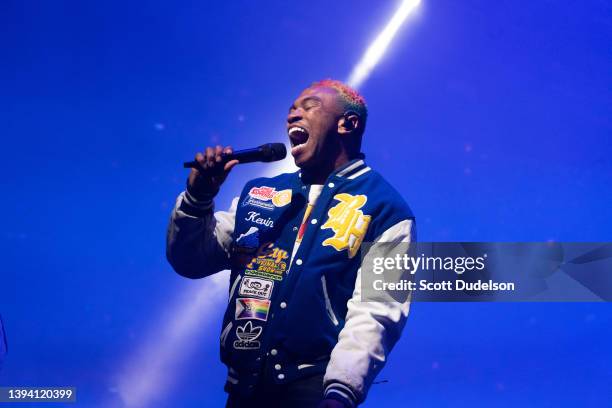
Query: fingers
{"points": [[212, 158], [230, 165], [218, 154], [212, 170], [228, 150], [209, 158], [199, 157]]}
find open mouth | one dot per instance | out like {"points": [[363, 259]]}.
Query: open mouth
{"points": [[298, 136]]}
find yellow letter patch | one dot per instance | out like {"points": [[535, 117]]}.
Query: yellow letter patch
{"points": [[348, 223]]}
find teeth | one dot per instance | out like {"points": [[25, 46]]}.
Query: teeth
{"points": [[296, 129]]}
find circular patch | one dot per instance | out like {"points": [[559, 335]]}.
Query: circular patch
{"points": [[282, 198]]}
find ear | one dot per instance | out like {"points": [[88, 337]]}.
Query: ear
{"points": [[349, 123]]}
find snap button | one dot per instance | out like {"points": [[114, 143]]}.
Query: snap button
{"points": [[298, 261], [277, 367], [281, 376], [295, 228], [303, 187], [273, 352], [314, 221], [331, 185], [283, 305]]}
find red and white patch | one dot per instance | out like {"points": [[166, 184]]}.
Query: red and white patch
{"points": [[263, 193]]}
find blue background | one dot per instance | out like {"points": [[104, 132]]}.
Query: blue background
{"points": [[493, 119]]}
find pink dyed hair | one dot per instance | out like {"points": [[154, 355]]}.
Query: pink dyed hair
{"points": [[354, 100]]}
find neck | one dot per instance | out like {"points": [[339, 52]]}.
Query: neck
{"points": [[318, 174]]}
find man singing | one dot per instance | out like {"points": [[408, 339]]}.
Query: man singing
{"points": [[296, 332]]}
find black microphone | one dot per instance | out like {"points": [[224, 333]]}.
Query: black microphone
{"points": [[268, 152]]}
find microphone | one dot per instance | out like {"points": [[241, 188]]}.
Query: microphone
{"points": [[268, 152]]}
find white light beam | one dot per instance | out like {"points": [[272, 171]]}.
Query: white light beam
{"points": [[376, 50]]}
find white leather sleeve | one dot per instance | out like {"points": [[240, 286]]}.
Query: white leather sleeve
{"points": [[198, 241], [371, 330]]}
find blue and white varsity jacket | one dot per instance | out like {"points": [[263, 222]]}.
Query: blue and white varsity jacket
{"points": [[292, 317]]}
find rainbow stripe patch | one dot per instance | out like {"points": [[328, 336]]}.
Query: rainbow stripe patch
{"points": [[248, 308]]}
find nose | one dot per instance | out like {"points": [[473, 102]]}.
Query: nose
{"points": [[294, 116]]}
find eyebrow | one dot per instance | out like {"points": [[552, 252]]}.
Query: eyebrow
{"points": [[306, 99]]}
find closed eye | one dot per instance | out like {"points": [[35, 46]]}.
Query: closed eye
{"points": [[310, 102]]}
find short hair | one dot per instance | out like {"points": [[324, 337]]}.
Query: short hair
{"points": [[353, 100]]}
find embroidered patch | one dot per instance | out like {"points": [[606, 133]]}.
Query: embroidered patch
{"points": [[256, 287], [254, 217], [282, 198], [249, 308], [249, 239], [270, 263], [348, 223], [261, 197], [263, 193], [267, 197], [247, 336]]}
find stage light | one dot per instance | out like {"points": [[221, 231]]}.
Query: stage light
{"points": [[376, 50]]}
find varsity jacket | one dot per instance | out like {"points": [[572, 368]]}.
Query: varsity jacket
{"points": [[290, 317]]}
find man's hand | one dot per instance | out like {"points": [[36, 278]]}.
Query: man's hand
{"points": [[205, 181], [331, 403]]}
